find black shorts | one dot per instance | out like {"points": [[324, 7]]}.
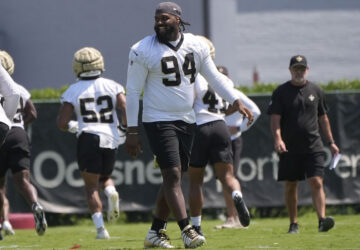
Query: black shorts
{"points": [[212, 144], [93, 159], [3, 131], [171, 142], [15, 152], [297, 167]]}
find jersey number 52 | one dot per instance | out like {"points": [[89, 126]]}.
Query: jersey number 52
{"points": [[104, 113]]}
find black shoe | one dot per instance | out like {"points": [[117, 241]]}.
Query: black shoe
{"points": [[198, 230], [242, 210], [325, 224], [39, 217], [293, 229]]}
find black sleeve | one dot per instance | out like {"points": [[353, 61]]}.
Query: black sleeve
{"points": [[275, 105], [322, 107]]}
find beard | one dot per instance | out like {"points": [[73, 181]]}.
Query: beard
{"points": [[165, 33]]}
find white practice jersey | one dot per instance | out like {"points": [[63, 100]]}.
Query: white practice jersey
{"points": [[237, 120], [10, 92], [208, 105], [94, 102], [18, 120], [167, 74]]}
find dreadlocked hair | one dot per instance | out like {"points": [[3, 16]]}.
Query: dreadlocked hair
{"points": [[182, 25]]}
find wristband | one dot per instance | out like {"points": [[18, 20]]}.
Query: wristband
{"points": [[132, 133], [73, 127], [331, 142]]}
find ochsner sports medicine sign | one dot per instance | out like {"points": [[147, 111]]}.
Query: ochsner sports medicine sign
{"points": [[61, 188]]}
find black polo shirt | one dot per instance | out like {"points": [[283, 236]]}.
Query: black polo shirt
{"points": [[299, 108]]}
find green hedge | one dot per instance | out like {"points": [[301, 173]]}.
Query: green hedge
{"points": [[51, 93]]}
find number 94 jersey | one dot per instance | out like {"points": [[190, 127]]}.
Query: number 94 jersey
{"points": [[170, 77], [94, 103]]}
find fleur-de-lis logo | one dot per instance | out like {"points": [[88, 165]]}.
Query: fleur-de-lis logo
{"points": [[311, 97], [299, 58]]}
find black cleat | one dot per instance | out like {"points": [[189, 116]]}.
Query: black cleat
{"points": [[39, 217], [242, 210], [293, 229], [198, 230], [325, 224]]}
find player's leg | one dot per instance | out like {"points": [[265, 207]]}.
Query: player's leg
{"points": [[198, 161], [291, 170], [171, 143], [224, 172], [196, 196], [90, 159], [291, 200], [18, 154], [222, 159], [107, 184], [315, 172], [156, 236], [6, 225], [318, 195], [94, 203], [233, 218], [3, 131], [26, 189]]}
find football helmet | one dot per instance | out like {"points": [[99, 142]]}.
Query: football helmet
{"points": [[7, 62], [210, 44], [88, 61]]}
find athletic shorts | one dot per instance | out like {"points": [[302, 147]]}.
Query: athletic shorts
{"points": [[3, 131], [171, 142], [297, 167], [93, 159], [212, 144], [15, 152]]}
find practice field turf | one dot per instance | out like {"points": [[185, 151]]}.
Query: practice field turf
{"points": [[262, 233]]}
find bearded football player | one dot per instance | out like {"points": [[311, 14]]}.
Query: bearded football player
{"points": [[165, 65]]}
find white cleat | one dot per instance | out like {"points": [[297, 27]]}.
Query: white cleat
{"points": [[102, 233], [191, 238], [8, 230], [157, 239], [113, 207]]}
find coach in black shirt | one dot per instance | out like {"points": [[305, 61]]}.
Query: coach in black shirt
{"points": [[297, 110]]}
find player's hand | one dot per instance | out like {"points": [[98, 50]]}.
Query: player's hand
{"points": [[334, 149], [133, 144], [280, 146], [244, 111]]}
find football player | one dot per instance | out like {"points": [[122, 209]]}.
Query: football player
{"points": [[165, 65], [94, 100], [236, 125], [212, 144], [15, 155], [10, 92]]}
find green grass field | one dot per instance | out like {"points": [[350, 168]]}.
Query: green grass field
{"points": [[262, 233]]}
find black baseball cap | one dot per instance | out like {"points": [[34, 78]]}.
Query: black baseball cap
{"points": [[168, 7], [298, 60]]}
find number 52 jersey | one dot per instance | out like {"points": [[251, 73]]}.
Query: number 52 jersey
{"points": [[94, 103]]}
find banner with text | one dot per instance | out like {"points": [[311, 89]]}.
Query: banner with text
{"points": [[61, 189]]}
